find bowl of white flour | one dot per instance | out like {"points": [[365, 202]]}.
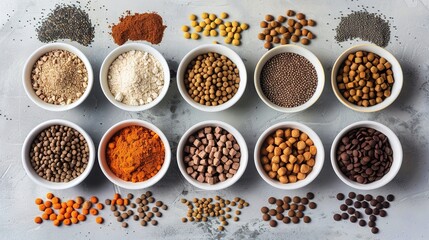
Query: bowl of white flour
{"points": [[135, 77]]}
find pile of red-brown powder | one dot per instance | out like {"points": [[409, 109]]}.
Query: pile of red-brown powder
{"points": [[144, 26]]}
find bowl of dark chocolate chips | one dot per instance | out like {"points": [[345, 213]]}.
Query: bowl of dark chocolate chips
{"points": [[366, 155]]}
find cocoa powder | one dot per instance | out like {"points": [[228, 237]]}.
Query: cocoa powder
{"points": [[140, 26]]}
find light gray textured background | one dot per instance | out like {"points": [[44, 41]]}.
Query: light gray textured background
{"points": [[407, 117]]}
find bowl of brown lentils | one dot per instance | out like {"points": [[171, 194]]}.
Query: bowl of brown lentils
{"points": [[211, 78], [289, 155], [366, 78], [58, 154]]}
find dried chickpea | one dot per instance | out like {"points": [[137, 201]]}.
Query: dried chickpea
{"points": [[192, 17], [195, 36], [185, 28], [224, 15], [287, 155]]}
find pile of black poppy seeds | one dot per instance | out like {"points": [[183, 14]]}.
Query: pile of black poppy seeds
{"points": [[66, 22], [288, 80], [59, 154], [364, 25]]}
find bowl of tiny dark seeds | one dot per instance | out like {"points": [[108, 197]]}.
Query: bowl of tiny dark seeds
{"points": [[366, 78], [366, 155], [58, 154], [212, 155], [289, 78]]}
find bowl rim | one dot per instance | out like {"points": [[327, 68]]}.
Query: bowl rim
{"points": [[113, 55], [320, 156], [300, 51], [382, 52], [28, 67], [127, 184], [394, 142], [26, 159], [220, 49], [243, 159]]}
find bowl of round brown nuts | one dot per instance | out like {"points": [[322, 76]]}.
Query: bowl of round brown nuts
{"points": [[212, 155], [366, 155], [289, 78], [289, 155], [58, 154], [57, 77], [211, 78], [366, 78]]}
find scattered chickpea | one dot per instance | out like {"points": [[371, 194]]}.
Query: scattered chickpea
{"points": [[192, 17], [195, 36], [224, 15], [185, 28]]}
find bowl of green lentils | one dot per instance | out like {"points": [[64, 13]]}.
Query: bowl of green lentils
{"points": [[58, 154]]}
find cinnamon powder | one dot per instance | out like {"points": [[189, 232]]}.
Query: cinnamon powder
{"points": [[140, 26]]}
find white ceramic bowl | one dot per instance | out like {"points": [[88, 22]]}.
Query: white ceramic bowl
{"points": [[233, 56], [397, 74], [243, 159], [394, 143], [28, 67], [26, 156], [320, 156], [118, 181], [114, 55], [300, 51]]}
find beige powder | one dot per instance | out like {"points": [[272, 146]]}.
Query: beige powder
{"points": [[59, 77]]}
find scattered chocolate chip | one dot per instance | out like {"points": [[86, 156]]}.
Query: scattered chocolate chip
{"points": [[344, 216], [383, 213], [362, 223], [360, 197], [340, 196], [273, 223], [353, 219], [271, 200], [371, 224], [343, 207], [310, 195], [390, 198], [264, 209], [374, 230], [368, 197], [352, 195], [286, 220], [307, 219], [266, 217], [349, 201], [351, 211], [312, 205], [337, 217]]}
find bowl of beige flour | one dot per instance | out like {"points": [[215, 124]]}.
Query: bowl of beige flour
{"points": [[135, 77]]}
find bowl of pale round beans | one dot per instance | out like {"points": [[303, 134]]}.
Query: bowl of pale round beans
{"points": [[211, 78], [289, 155]]}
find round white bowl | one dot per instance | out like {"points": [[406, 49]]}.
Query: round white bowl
{"points": [[397, 74], [32, 173], [243, 159], [118, 181], [28, 68], [320, 156], [394, 143], [233, 56], [300, 51], [114, 55]]}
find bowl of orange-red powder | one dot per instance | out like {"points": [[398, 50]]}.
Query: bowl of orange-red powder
{"points": [[134, 154]]}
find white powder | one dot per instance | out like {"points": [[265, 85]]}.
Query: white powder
{"points": [[135, 78]]}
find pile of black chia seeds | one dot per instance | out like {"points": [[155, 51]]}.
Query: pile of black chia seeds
{"points": [[66, 22], [367, 26]]}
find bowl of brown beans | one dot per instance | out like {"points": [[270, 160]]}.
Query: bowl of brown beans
{"points": [[211, 78], [366, 155], [212, 155], [366, 78], [58, 154], [289, 155]]}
